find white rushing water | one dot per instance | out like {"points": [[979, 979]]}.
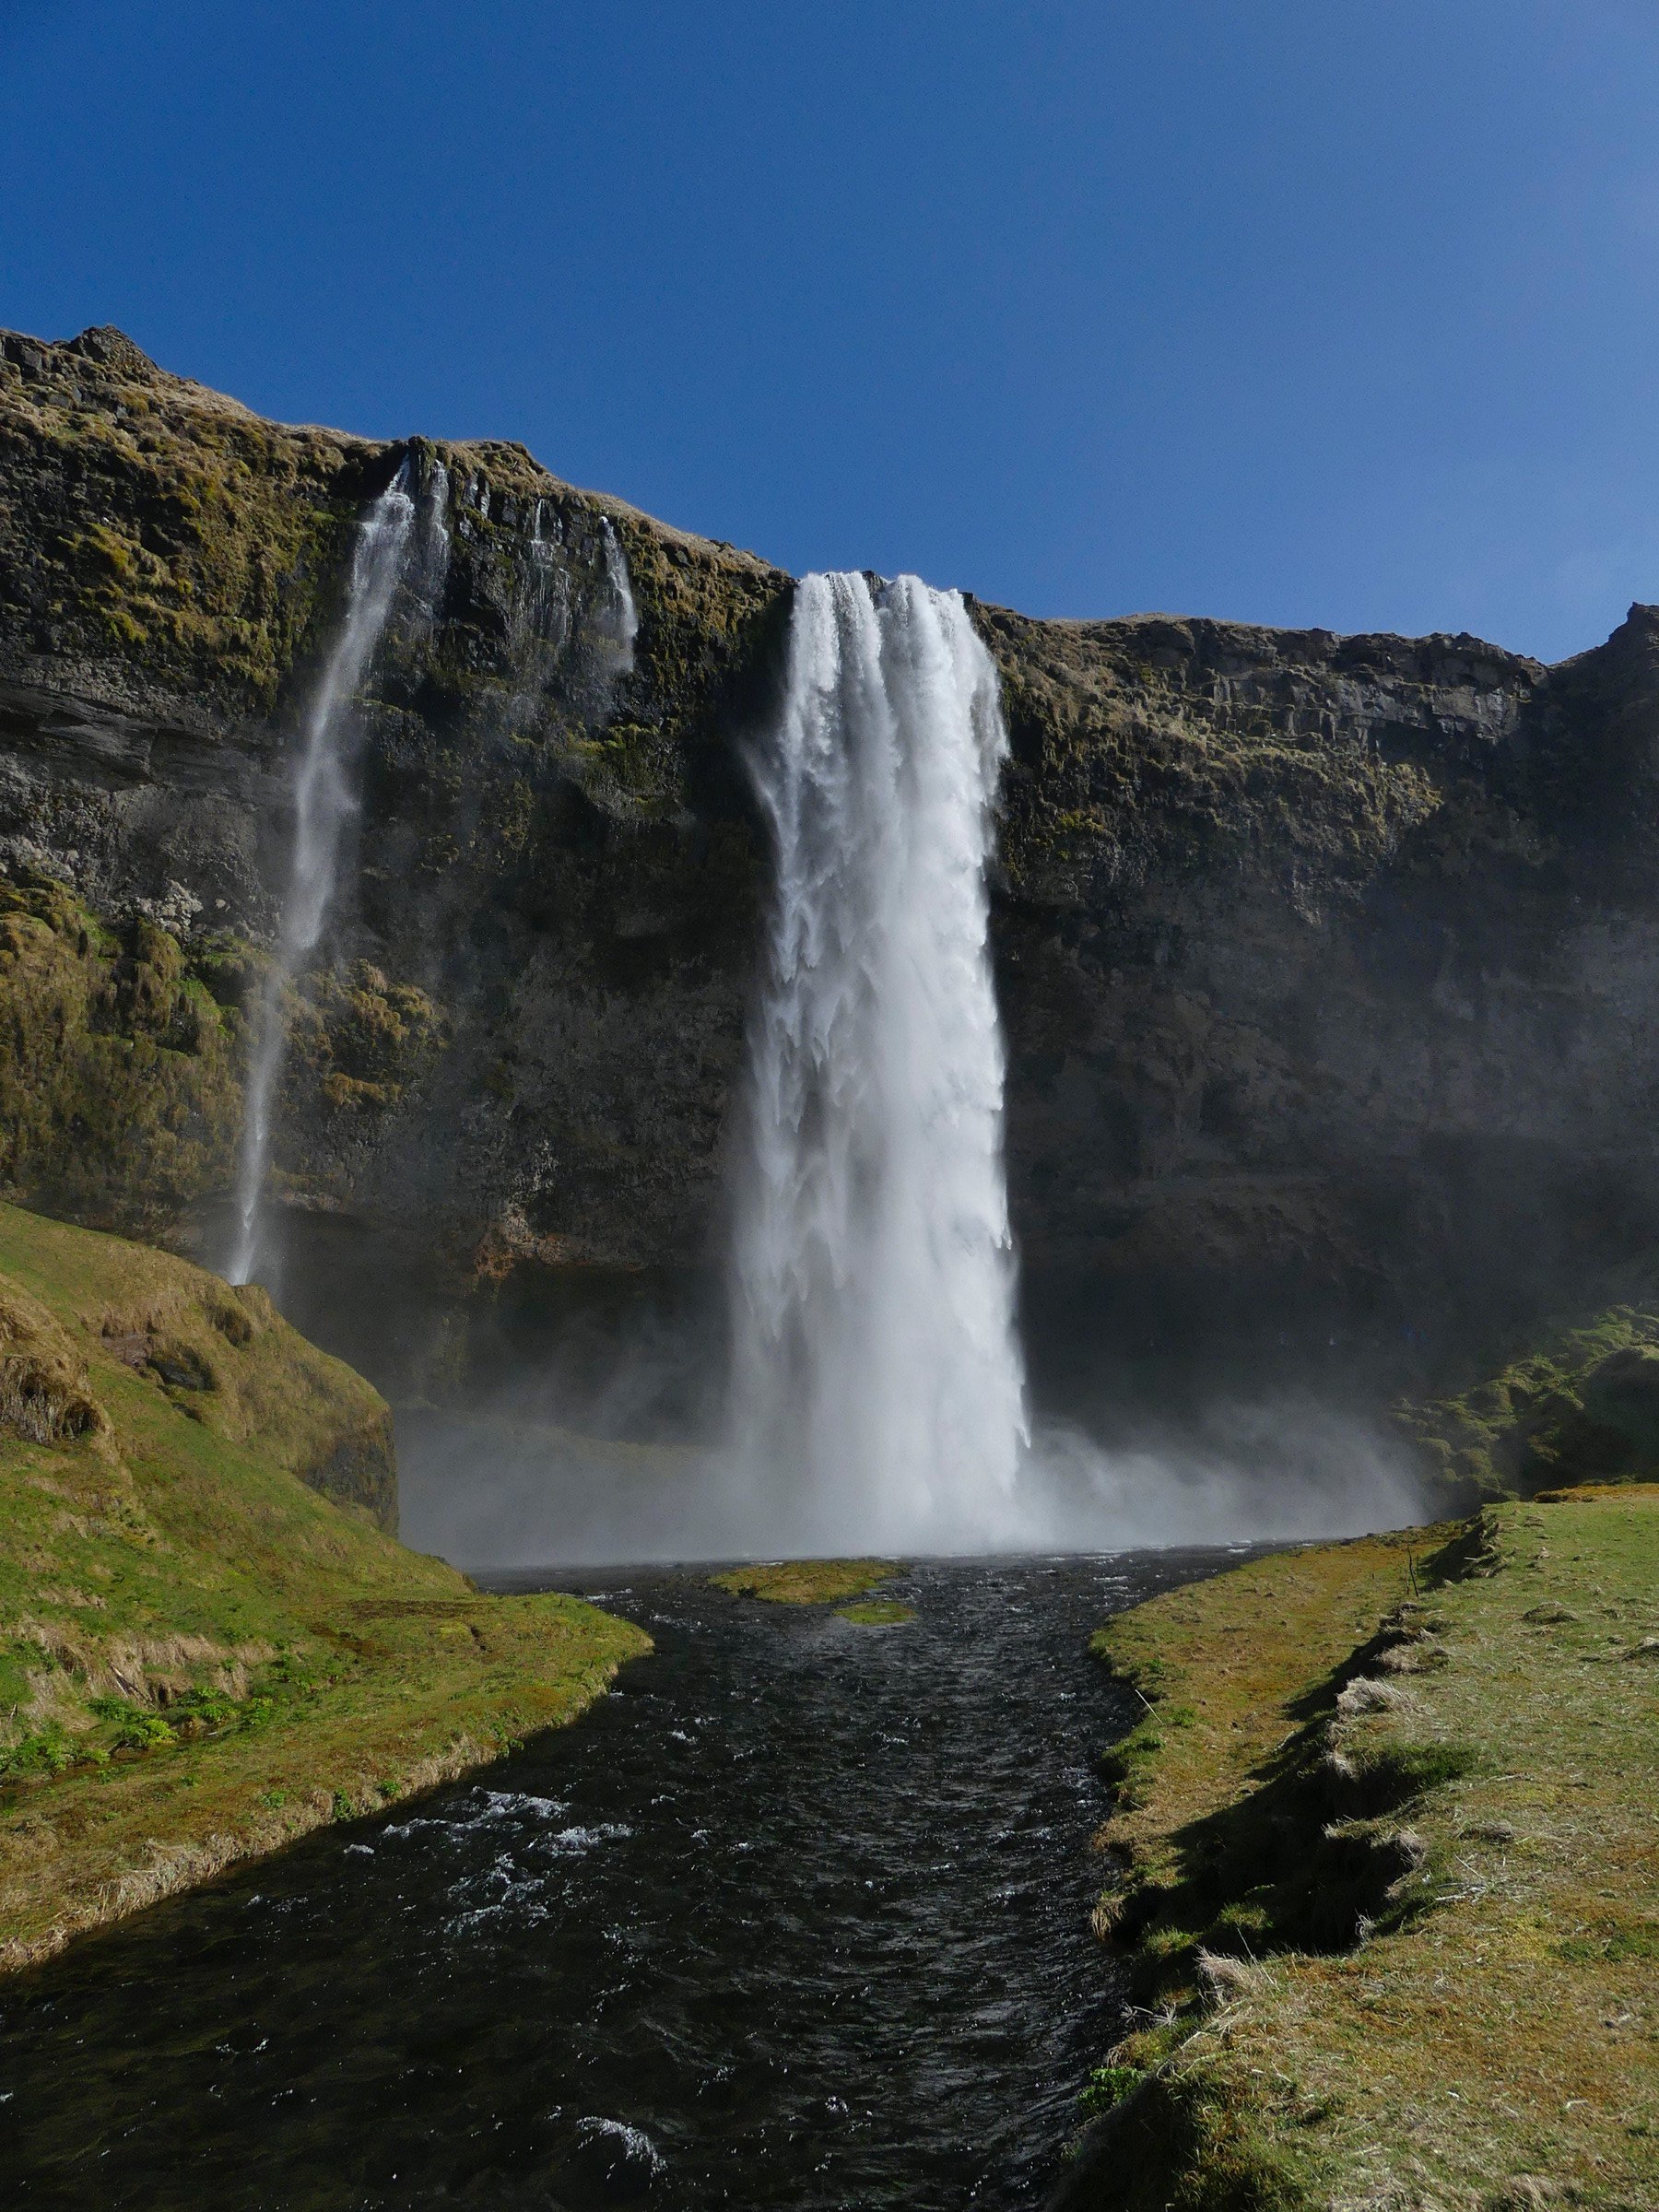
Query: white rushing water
{"points": [[323, 801], [878, 1391]]}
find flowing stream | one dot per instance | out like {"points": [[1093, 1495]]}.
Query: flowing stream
{"points": [[323, 801], [796, 1917], [878, 1390]]}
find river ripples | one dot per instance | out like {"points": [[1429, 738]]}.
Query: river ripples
{"points": [[798, 1917]]}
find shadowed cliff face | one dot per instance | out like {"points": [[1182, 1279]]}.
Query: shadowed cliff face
{"points": [[1327, 966], [1325, 961]]}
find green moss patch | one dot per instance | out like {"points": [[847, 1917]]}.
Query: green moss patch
{"points": [[1583, 1409], [197, 543], [119, 1069], [807, 1582], [360, 1040]]}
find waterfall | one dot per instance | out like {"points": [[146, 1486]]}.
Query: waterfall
{"points": [[624, 621], [322, 800], [877, 1390]]}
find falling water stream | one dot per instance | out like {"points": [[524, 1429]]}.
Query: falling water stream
{"points": [[878, 1390], [323, 802], [623, 619]]}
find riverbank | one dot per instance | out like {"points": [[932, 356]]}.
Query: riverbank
{"points": [[1382, 1858], [208, 1643], [795, 1922]]}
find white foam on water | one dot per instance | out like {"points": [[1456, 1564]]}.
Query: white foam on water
{"points": [[636, 2146]]}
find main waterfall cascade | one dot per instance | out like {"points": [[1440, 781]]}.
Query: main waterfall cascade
{"points": [[324, 800], [878, 1391]]}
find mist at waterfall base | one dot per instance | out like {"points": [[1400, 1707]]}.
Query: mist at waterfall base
{"points": [[521, 1483], [876, 1397]]}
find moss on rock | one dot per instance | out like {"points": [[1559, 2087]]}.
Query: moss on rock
{"points": [[358, 1040], [120, 1071], [147, 519], [1582, 1407]]}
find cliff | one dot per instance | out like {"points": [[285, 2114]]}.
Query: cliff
{"points": [[1323, 960]]}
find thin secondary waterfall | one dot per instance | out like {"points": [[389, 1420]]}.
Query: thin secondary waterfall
{"points": [[624, 615], [878, 1390], [323, 801]]}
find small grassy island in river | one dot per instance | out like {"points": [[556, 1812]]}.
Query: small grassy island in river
{"points": [[201, 1654], [1385, 1851], [822, 1582]]}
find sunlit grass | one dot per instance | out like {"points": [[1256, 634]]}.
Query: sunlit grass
{"points": [[1386, 1873], [201, 1658], [807, 1582]]}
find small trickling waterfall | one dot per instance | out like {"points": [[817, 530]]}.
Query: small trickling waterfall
{"points": [[323, 801], [624, 615], [878, 1386]]}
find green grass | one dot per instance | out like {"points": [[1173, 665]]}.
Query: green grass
{"points": [[1386, 1895], [201, 1656], [807, 1582], [1583, 1407], [878, 1613]]}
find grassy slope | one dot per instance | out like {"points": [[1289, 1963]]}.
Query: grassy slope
{"points": [[1388, 1890], [200, 1657]]}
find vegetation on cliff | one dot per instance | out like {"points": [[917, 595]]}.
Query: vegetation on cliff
{"points": [[116, 1051], [1314, 952], [209, 1640], [149, 522], [124, 1055], [1384, 1874], [556, 873], [1154, 747], [1581, 1406]]}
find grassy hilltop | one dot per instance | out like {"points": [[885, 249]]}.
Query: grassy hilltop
{"points": [[201, 1654], [1384, 1855]]}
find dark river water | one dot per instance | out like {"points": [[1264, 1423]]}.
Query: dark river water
{"points": [[797, 1916]]}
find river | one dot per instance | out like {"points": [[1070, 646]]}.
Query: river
{"points": [[797, 1916]]}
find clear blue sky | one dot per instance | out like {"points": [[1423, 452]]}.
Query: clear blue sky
{"points": [[1342, 311]]}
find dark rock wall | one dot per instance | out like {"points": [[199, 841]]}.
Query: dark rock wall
{"points": [[524, 1035], [1328, 964], [1325, 961]]}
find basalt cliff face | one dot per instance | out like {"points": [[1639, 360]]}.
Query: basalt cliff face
{"points": [[1325, 961]]}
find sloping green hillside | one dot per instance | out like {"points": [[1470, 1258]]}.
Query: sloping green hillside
{"points": [[1384, 1875], [202, 1655]]}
